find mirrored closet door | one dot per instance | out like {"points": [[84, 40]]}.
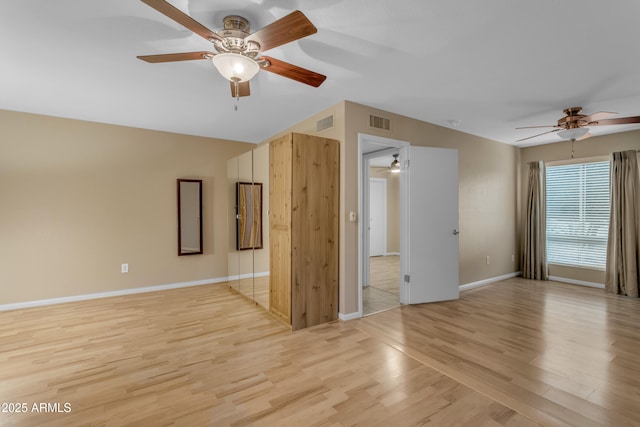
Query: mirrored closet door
{"points": [[248, 257]]}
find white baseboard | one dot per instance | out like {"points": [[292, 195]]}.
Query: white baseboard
{"points": [[349, 316], [576, 282], [392, 254], [52, 301], [248, 276], [479, 283]]}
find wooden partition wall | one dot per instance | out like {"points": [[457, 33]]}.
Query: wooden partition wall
{"points": [[303, 229]]}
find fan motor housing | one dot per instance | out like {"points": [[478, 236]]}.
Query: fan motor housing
{"points": [[573, 118], [235, 30]]}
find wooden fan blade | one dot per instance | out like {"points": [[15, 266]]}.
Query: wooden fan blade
{"points": [[292, 27], [172, 57], [182, 18], [243, 88], [620, 121], [540, 134], [293, 72], [598, 116], [536, 127]]}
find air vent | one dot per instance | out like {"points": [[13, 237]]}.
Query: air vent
{"points": [[379, 122], [324, 124]]}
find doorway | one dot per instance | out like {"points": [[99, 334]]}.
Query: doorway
{"points": [[428, 218], [382, 290], [380, 285]]}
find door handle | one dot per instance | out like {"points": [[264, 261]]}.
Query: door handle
{"points": [[456, 232]]}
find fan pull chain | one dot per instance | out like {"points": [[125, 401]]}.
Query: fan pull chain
{"points": [[235, 85], [572, 141]]}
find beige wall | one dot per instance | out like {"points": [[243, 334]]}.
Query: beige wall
{"points": [[487, 184], [487, 176], [393, 207], [592, 147], [79, 198]]}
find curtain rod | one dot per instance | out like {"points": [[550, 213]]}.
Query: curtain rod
{"points": [[572, 159]]}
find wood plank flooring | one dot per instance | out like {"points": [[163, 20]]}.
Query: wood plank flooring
{"points": [[559, 354], [254, 288], [383, 292], [385, 273], [514, 353]]}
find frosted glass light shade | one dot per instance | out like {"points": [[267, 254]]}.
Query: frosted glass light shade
{"points": [[575, 133], [395, 166], [234, 66]]}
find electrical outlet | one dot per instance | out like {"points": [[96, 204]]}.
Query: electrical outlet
{"points": [[488, 260], [124, 268]]}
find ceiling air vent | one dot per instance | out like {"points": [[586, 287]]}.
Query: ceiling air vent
{"points": [[324, 124], [377, 122]]}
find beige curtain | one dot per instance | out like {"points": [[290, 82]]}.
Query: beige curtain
{"points": [[534, 265], [623, 251]]}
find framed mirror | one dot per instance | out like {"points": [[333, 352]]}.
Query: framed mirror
{"points": [[249, 217], [189, 217]]}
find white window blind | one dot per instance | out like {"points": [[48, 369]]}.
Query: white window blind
{"points": [[578, 214]]}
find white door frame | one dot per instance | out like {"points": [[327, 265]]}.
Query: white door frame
{"points": [[387, 145]]}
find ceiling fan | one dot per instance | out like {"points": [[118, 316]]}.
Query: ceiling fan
{"points": [[394, 167], [575, 126], [238, 56]]}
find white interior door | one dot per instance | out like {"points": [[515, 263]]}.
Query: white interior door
{"points": [[377, 217], [430, 213]]}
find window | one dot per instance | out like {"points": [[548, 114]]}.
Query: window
{"points": [[578, 214]]}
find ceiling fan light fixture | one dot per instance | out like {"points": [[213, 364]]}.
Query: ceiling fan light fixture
{"points": [[395, 164], [235, 67], [572, 134]]}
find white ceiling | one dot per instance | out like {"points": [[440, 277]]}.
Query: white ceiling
{"points": [[493, 64], [382, 161]]}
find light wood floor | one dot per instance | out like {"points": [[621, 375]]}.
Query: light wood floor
{"points": [[254, 288], [559, 354], [385, 273], [383, 292], [515, 353]]}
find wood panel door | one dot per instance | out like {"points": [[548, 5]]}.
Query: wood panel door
{"points": [[314, 238], [280, 228]]}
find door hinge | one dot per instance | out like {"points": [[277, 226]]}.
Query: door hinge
{"points": [[407, 278]]}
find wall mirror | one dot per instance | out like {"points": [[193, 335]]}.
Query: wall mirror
{"points": [[249, 218], [189, 217]]}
